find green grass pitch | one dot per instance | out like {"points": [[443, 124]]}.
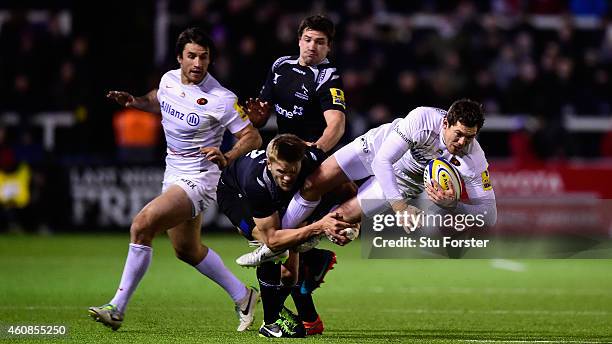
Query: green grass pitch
{"points": [[52, 280]]}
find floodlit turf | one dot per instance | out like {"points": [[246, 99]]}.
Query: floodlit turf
{"points": [[52, 280]]}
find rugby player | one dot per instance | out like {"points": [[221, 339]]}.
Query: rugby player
{"points": [[393, 156], [253, 192], [196, 110]]}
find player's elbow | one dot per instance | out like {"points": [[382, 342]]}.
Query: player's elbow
{"points": [[275, 244], [490, 216], [272, 240]]}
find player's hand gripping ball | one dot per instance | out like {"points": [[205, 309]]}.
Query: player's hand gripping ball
{"points": [[443, 173]]}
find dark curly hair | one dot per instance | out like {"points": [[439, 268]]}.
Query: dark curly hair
{"points": [[467, 112]]}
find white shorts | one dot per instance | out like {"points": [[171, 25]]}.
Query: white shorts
{"points": [[371, 198], [201, 188], [355, 159]]}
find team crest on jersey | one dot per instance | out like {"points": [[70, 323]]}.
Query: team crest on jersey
{"points": [[486, 180], [202, 101], [241, 112], [303, 94], [364, 146], [455, 161], [338, 97]]}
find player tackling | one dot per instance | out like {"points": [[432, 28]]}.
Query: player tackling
{"points": [[393, 157]]}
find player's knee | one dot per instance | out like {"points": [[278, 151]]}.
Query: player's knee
{"points": [[311, 188], [189, 254], [288, 277], [141, 230]]}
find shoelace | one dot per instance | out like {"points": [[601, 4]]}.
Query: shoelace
{"points": [[284, 327], [254, 243], [289, 318]]}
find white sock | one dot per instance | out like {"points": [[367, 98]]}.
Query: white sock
{"points": [[212, 267], [298, 211], [136, 264]]}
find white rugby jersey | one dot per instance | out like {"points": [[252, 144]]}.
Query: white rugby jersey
{"points": [[196, 116], [403, 148]]}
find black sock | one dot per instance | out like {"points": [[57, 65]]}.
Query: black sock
{"points": [[273, 294], [304, 305]]}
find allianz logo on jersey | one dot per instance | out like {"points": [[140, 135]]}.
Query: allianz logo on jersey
{"points": [[191, 118], [297, 111]]}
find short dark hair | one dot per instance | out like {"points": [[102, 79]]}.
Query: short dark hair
{"points": [[194, 35], [466, 111], [318, 23], [286, 147]]}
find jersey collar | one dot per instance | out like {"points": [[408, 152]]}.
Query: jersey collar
{"points": [[204, 80], [324, 61]]}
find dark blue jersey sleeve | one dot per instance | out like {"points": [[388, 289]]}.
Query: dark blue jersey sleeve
{"points": [[267, 91], [330, 91], [261, 203]]}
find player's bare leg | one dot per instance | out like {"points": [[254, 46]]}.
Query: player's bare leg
{"points": [[165, 211], [290, 268], [188, 247], [324, 179]]}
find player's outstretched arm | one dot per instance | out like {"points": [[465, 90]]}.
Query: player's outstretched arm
{"points": [[148, 102], [277, 239]]}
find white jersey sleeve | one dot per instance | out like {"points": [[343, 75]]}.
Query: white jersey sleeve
{"points": [[233, 116], [407, 133], [476, 174], [478, 186]]}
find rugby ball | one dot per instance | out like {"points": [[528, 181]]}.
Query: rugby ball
{"points": [[444, 173], [351, 233]]}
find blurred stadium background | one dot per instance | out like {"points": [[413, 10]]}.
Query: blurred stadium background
{"points": [[542, 68], [73, 163]]}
